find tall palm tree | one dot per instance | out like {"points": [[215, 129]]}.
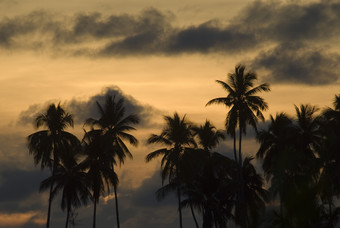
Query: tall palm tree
{"points": [[115, 126], [245, 108], [98, 163], [72, 181], [176, 136], [50, 146]]}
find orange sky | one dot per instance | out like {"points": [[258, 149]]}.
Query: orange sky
{"points": [[166, 55]]}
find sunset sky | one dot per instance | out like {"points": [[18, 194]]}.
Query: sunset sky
{"points": [[162, 57]]}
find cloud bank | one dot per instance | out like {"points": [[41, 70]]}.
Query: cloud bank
{"points": [[297, 34]]}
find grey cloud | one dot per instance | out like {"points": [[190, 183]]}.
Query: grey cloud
{"points": [[84, 109], [299, 63], [153, 31], [277, 21]]}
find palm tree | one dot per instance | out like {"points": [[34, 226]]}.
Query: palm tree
{"points": [[176, 136], [98, 163], [50, 146], [245, 108], [256, 195], [208, 136], [115, 126], [72, 181], [275, 150], [329, 155]]}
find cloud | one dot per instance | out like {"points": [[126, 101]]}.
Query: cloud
{"points": [[296, 62], [84, 109], [278, 21], [153, 31]]}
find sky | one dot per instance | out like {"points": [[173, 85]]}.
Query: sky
{"points": [[161, 57]]}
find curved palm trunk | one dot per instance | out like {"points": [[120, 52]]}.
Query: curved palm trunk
{"points": [[116, 201], [94, 212], [193, 215]]}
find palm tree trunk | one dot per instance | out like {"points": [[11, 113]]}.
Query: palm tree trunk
{"points": [[50, 197], [68, 214], [242, 195], [193, 215], [235, 153], [116, 201], [94, 212], [179, 207]]}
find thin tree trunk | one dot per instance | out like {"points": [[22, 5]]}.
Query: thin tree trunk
{"points": [[94, 212], [242, 195], [193, 215], [68, 214], [50, 197], [235, 153], [179, 206], [116, 201]]}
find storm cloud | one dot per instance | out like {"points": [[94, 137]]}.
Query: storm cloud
{"points": [[296, 62]]}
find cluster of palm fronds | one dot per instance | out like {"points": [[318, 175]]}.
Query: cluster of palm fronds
{"points": [[300, 158], [82, 170]]}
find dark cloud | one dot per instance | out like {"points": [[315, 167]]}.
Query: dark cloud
{"points": [[14, 181], [296, 62], [277, 21], [153, 31], [82, 110]]}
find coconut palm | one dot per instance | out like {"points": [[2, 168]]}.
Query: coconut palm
{"points": [[330, 157], [50, 146], [98, 163], [115, 126], [176, 136], [72, 181], [245, 108], [208, 136]]}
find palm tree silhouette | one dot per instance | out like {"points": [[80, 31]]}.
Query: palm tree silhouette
{"points": [[50, 146], [115, 126], [98, 163], [245, 108], [177, 136], [72, 181]]}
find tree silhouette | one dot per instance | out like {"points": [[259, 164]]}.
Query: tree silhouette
{"points": [[72, 181], [176, 135], [245, 108], [114, 126], [50, 146], [98, 163]]}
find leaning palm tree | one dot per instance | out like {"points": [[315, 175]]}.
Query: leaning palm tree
{"points": [[72, 181], [176, 136], [50, 146], [245, 108], [115, 126]]}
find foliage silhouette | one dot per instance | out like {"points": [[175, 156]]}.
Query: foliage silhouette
{"points": [[113, 128], [49, 147]]}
